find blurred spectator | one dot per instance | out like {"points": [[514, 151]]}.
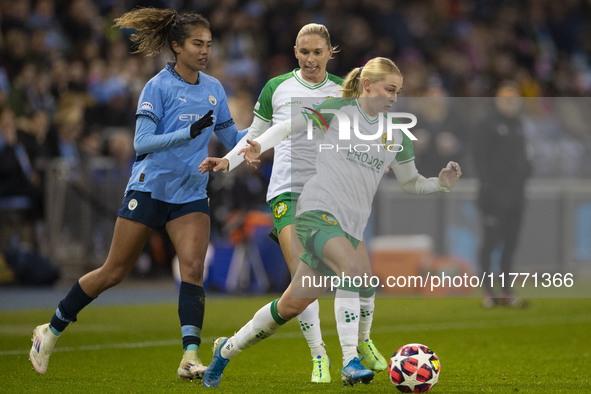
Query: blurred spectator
{"points": [[37, 136], [109, 95], [503, 166], [18, 99], [440, 133], [16, 169], [69, 123], [14, 53], [21, 196], [120, 147]]}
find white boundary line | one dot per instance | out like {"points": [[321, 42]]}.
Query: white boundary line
{"points": [[450, 325]]}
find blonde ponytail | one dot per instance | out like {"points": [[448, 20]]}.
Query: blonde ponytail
{"points": [[375, 70]]}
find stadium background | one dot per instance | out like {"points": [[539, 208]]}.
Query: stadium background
{"points": [[69, 89], [66, 76]]}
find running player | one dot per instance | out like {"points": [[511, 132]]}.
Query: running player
{"points": [[335, 204], [313, 49], [177, 113]]}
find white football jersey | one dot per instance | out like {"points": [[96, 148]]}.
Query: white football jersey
{"points": [[274, 105], [348, 171]]}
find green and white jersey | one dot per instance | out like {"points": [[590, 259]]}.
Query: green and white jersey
{"points": [[348, 171], [275, 104]]}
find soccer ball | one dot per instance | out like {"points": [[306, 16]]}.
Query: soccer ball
{"points": [[414, 368]]}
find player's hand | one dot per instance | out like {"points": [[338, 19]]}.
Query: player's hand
{"points": [[203, 123], [214, 164], [251, 153], [449, 175]]}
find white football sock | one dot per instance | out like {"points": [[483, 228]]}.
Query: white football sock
{"points": [[346, 310], [262, 325], [310, 324], [366, 307]]}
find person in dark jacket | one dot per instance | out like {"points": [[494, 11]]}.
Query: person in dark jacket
{"points": [[502, 166]]}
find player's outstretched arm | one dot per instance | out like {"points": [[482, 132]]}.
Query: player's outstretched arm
{"points": [[250, 154], [233, 157], [270, 138], [412, 182], [273, 136]]}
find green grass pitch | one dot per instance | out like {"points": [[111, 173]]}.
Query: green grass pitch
{"points": [[545, 348]]}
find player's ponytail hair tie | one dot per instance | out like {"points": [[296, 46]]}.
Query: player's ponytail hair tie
{"points": [[359, 73], [172, 21]]}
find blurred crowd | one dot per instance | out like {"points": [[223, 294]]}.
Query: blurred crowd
{"points": [[69, 84]]}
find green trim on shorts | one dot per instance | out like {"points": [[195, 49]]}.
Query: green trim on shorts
{"points": [[314, 229], [283, 214]]}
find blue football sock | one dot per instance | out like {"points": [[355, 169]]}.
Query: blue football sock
{"points": [[68, 308], [191, 309]]}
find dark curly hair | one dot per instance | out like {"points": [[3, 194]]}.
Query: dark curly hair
{"points": [[155, 27]]}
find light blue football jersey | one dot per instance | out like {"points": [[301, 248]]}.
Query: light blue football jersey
{"points": [[168, 159]]}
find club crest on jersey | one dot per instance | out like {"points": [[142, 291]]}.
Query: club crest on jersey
{"points": [[146, 105], [388, 143], [212, 100], [132, 205], [280, 209], [329, 219]]}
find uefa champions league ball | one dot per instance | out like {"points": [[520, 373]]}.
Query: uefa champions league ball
{"points": [[414, 368]]}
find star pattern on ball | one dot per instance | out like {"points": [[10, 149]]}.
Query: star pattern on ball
{"points": [[421, 358], [414, 368]]}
